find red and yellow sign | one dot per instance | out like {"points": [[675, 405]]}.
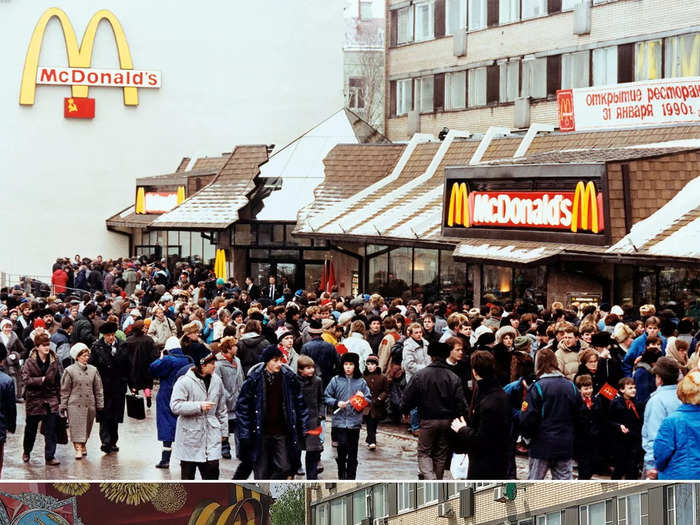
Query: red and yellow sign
{"points": [[78, 74], [578, 210], [79, 107], [565, 100]]}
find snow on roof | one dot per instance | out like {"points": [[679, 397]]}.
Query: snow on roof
{"points": [[668, 217], [508, 252], [285, 203], [683, 143]]}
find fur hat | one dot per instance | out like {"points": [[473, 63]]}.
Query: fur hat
{"points": [[439, 350], [484, 339], [505, 330], [270, 353], [4, 322], [191, 328], [622, 332], [373, 358], [327, 323], [521, 342], [601, 339], [350, 357], [315, 327], [171, 343], [77, 349], [109, 328]]}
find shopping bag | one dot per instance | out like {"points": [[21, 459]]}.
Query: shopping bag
{"points": [[61, 430], [135, 406], [459, 466]]}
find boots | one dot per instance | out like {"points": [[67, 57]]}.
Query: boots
{"points": [[78, 451], [165, 459]]}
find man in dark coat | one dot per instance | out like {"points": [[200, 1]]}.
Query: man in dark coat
{"points": [[83, 329], [272, 292], [252, 289], [486, 436], [110, 357], [271, 418], [324, 354], [251, 345], [41, 376], [8, 406], [437, 393], [141, 351]]}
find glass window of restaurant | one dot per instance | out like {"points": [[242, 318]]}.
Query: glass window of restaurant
{"points": [[497, 281]]}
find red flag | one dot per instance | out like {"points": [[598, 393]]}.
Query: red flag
{"points": [[341, 349], [331, 278], [316, 431], [358, 402], [608, 391], [324, 276], [75, 107]]}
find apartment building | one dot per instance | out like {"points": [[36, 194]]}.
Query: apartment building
{"points": [[628, 503], [472, 64]]}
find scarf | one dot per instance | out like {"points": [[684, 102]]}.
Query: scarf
{"points": [[588, 401], [285, 354], [631, 406]]}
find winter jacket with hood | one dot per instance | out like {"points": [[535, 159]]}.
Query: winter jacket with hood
{"points": [[415, 357], [342, 388], [41, 389], [677, 445], [325, 357], [250, 348], [167, 369], [568, 358], [661, 404], [83, 331], [231, 374]]}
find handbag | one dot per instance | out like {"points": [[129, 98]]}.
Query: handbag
{"points": [[459, 466], [61, 430], [135, 406]]}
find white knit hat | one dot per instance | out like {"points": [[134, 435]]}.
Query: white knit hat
{"points": [[77, 349], [172, 343]]}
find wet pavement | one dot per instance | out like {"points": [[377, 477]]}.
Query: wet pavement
{"points": [[394, 458]]}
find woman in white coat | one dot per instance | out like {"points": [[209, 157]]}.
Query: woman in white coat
{"points": [[356, 343], [199, 402]]}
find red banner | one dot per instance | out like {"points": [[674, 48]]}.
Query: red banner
{"points": [[75, 107]]}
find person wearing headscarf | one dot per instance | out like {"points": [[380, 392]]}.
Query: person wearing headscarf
{"points": [[14, 350], [82, 397], [677, 349]]}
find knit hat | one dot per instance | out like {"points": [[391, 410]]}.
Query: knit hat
{"points": [[270, 353], [373, 358], [327, 323], [283, 332], [191, 328], [521, 342], [171, 343], [504, 331], [77, 349], [439, 350], [480, 330], [315, 327], [165, 298], [39, 322], [4, 322], [600, 339], [109, 328], [220, 281], [617, 310], [346, 317]]}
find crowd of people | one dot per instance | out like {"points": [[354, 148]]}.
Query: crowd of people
{"points": [[274, 376]]}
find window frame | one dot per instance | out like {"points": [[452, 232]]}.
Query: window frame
{"points": [[430, 4], [529, 74], [568, 62], [358, 92], [505, 69], [462, 19], [483, 10], [364, 3], [471, 81], [434, 489], [344, 507], [418, 88], [410, 33], [404, 93], [608, 52], [452, 81], [511, 3], [408, 491], [624, 500], [363, 493], [543, 3]]}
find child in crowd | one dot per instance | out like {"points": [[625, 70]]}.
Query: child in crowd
{"points": [[312, 390], [626, 424], [347, 421], [379, 389], [587, 440]]}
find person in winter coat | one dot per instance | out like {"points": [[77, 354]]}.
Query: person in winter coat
{"points": [[82, 397], [568, 350], [625, 420], [636, 349], [14, 351], [677, 444], [167, 369], [59, 280], [643, 375], [355, 342], [661, 404], [312, 390], [549, 416], [83, 328], [229, 369], [142, 353], [192, 345], [61, 340], [251, 345], [590, 366], [503, 352], [379, 390], [8, 406], [391, 337], [323, 354], [271, 416], [199, 401], [587, 441], [415, 358], [41, 376], [161, 327], [347, 421], [486, 436], [110, 358], [286, 337], [375, 334]]}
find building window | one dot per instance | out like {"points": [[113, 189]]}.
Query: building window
{"points": [[477, 87], [405, 496], [682, 56], [404, 96], [425, 21], [498, 281], [322, 514], [508, 11], [574, 70], [567, 5], [365, 10], [455, 16], [339, 513], [452, 489], [356, 93], [455, 90], [477, 14], [424, 94], [426, 493], [681, 505], [553, 518], [596, 514], [534, 78], [359, 506], [405, 25], [509, 78], [605, 66], [379, 501], [647, 60], [633, 510], [534, 8]]}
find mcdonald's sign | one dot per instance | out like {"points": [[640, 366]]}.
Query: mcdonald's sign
{"points": [[565, 102], [79, 74], [577, 211]]}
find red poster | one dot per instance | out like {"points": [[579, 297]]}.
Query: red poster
{"points": [[75, 107], [565, 101]]}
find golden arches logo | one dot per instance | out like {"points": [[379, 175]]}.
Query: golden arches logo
{"points": [[585, 200], [565, 106], [78, 57], [458, 211]]}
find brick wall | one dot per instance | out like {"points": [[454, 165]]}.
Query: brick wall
{"points": [[559, 284]]}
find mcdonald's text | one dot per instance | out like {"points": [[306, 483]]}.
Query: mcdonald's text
{"points": [[68, 76]]}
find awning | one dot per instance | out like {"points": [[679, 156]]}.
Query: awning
{"points": [[513, 252], [127, 218]]}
